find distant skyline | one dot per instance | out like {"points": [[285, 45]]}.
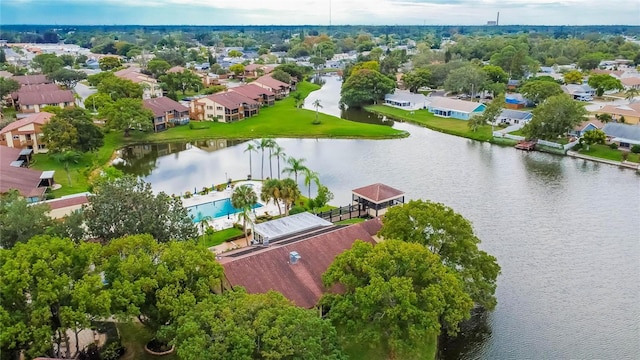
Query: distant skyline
{"points": [[316, 12]]}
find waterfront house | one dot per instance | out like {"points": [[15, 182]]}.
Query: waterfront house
{"points": [[403, 99], [625, 136], [513, 117], [166, 111], [30, 184], [375, 199], [627, 113], [585, 126], [294, 267], [252, 91], [454, 108], [26, 133], [223, 107], [280, 89]]}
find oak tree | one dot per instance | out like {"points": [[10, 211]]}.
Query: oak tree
{"points": [[365, 87], [554, 118]]}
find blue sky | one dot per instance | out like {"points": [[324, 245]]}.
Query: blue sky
{"points": [[285, 12]]}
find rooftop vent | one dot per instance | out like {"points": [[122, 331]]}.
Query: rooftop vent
{"points": [[294, 257]]}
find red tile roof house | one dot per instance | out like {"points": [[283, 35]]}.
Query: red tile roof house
{"points": [[223, 107], [32, 88], [26, 133], [295, 269], [275, 86], [33, 102], [31, 184], [166, 111], [263, 96]]}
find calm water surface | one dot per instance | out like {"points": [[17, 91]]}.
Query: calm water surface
{"points": [[565, 231]]}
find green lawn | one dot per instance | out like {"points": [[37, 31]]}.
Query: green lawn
{"points": [[219, 237], [605, 152], [280, 120], [134, 337], [357, 350], [350, 221], [427, 119], [81, 171]]}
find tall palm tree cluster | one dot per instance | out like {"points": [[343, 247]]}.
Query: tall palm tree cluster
{"points": [[281, 191]]}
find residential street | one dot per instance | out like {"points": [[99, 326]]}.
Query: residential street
{"points": [[84, 91]]}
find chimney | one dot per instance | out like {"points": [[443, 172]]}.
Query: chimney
{"points": [[294, 257]]}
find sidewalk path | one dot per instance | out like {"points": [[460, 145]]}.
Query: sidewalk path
{"points": [[626, 164]]}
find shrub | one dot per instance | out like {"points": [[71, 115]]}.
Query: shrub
{"points": [[112, 351], [187, 195], [577, 147], [614, 146], [635, 149], [297, 210]]}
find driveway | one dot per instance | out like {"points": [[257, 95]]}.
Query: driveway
{"points": [[84, 91]]}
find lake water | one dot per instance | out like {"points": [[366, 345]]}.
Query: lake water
{"points": [[566, 232]]}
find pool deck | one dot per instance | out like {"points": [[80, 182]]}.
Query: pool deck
{"points": [[225, 222]]}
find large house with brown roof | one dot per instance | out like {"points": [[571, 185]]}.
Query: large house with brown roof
{"points": [[166, 111], [30, 184], [150, 86], [294, 268], [256, 70], [31, 79], [223, 107], [34, 101], [252, 91], [26, 133], [630, 113], [280, 89]]}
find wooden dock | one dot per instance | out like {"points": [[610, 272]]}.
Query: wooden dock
{"points": [[526, 145]]}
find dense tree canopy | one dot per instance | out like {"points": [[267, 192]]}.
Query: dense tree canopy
{"points": [[109, 63], [466, 79], [183, 81], [72, 129], [127, 114], [281, 75], [450, 236], [604, 82], [554, 118], [416, 79], [157, 282], [158, 67], [396, 293], [539, 90], [66, 77], [118, 88], [47, 286], [47, 63], [19, 221], [238, 326], [160, 215], [7, 86], [365, 87]]}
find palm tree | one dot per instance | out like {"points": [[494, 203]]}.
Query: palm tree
{"points": [[295, 166], [262, 145], [290, 193], [298, 98], [278, 152], [317, 105], [272, 145], [66, 158], [310, 176], [203, 225], [631, 93], [251, 147], [272, 190], [244, 198]]}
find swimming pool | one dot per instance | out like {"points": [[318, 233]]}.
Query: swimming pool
{"points": [[215, 209]]}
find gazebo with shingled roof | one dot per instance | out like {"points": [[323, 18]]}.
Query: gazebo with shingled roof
{"points": [[375, 199]]}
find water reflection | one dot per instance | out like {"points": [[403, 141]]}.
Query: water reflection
{"points": [[545, 166], [473, 333], [141, 160]]}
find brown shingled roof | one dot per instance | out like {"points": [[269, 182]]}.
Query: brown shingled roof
{"points": [[34, 88], [162, 105], [378, 192], [252, 91], [67, 202], [231, 100], [301, 283], [271, 82], [40, 118], [31, 79], [24, 180], [49, 97]]}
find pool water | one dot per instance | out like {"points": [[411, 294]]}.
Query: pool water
{"points": [[214, 209]]}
